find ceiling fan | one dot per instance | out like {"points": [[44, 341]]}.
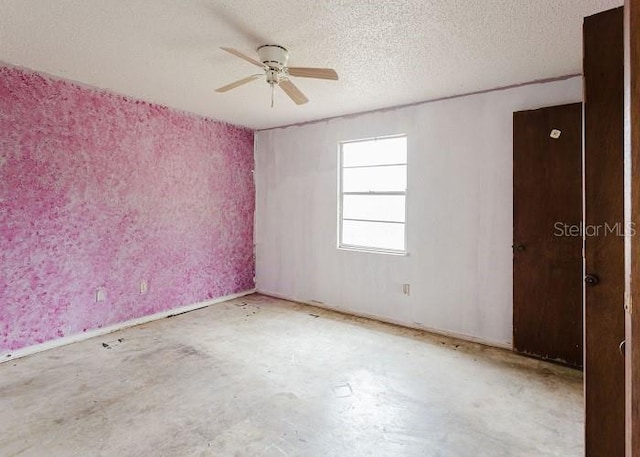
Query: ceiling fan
{"points": [[273, 60]]}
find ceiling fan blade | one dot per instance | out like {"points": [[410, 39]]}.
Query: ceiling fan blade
{"points": [[237, 83], [293, 92], [319, 73], [237, 53]]}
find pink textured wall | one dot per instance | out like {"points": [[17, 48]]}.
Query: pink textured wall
{"points": [[98, 190]]}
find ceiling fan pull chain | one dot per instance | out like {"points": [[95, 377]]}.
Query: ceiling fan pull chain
{"points": [[272, 91]]}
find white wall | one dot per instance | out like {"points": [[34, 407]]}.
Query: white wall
{"points": [[459, 231]]}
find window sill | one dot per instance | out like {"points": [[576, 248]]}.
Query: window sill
{"points": [[373, 251]]}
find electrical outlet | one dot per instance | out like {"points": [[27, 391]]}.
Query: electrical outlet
{"points": [[406, 289], [101, 295], [144, 287]]}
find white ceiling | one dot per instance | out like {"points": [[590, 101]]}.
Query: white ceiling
{"points": [[387, 52]]}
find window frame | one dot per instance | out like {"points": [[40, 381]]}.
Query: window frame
{"points": [[341, 194]]}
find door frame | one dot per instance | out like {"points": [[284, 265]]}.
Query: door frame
{"points": [[632, 216]]}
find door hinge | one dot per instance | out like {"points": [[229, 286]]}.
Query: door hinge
{"points": [[628, 305]]}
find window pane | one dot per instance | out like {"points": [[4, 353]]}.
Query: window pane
{"points": [[374, 179], [375, 152], [374, 207], [373, 235]]}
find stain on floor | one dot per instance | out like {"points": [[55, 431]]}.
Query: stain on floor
{"points": [[228, 380]]}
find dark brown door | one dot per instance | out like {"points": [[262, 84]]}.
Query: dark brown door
{"points": [[547, 211], [604, 243], [632, 192]]}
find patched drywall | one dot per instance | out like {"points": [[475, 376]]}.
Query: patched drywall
{"points": [[459, 214], [98, 191]]}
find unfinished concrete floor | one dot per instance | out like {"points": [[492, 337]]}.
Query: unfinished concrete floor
{"points": [[264, 377]]}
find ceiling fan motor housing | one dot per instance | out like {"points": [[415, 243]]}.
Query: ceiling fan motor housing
{"points": [[274, 56]]}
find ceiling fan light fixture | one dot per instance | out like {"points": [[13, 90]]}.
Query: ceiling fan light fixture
{"points": [[273, 75]]}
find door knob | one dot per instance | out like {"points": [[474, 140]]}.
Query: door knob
{"points": [[591, 280], [622, 347]]}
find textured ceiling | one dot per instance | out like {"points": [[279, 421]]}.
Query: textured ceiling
{"points": [[387, 52]]}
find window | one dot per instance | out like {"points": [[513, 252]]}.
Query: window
{"points": [[373, 191]]}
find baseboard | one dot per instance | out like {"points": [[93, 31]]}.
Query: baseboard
{"points": [[114, 328], [435, 331]]}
